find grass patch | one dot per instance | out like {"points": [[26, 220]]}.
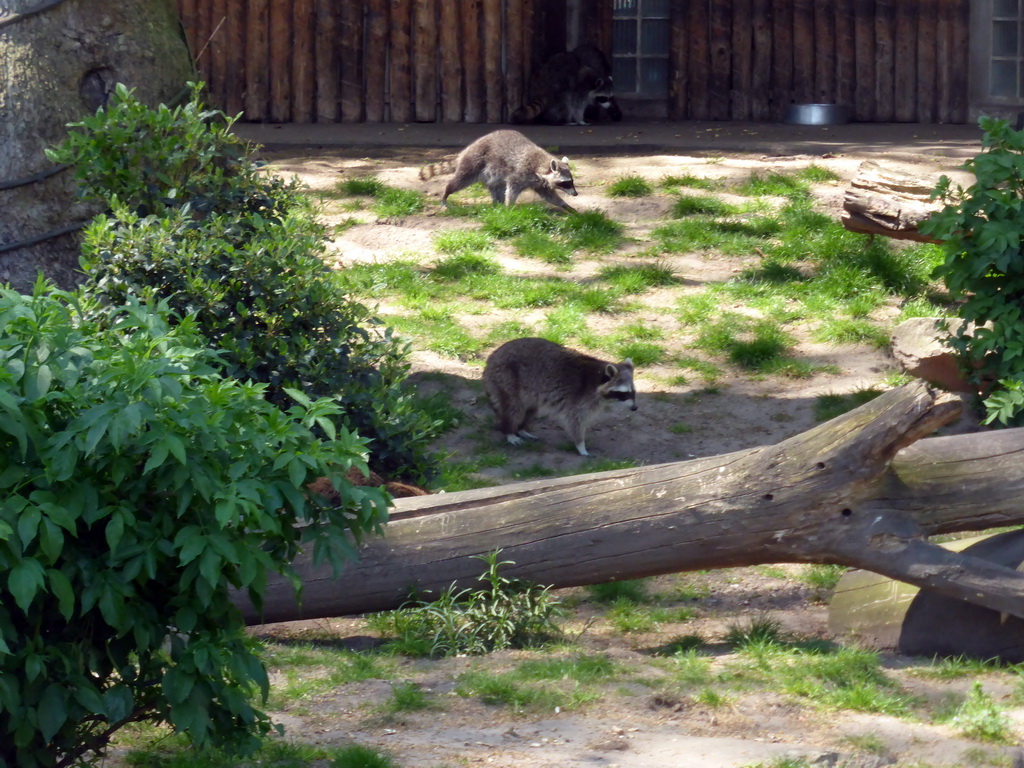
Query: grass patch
{"points": [[457, 242], [672, 183], [637, 278], [176, 752], [830, 406], [630, 186], [817, 174], [634, 590], [692, 205], [774, 184], [389, 201], [507, 689], [979, 717], [543, 246]]}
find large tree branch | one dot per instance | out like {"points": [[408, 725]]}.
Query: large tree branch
{"points": [[811, 498]]}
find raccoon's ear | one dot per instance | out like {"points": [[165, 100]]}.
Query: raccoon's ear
{"points": [[554, 165], [599, 83], [627, 363], [565, 159], [610, 372]]}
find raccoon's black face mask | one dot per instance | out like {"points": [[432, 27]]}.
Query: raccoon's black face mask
{"points": [[623, 397]]}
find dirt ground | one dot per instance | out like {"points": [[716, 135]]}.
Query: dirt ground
{"points": [[632, 726]]}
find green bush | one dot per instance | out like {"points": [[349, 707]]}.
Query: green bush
{"points": [[241, 251], [981, 230], [138, 485]]}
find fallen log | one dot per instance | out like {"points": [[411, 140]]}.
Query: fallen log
{"points": [[858, 491], [882, 201]]}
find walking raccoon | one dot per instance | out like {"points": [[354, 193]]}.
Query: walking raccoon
{"points": [[507, 163], [531, 377], [562, 88]]}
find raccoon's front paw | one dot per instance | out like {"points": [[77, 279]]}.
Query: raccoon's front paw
{"points": [[514, 439], [582, 448], [528, 435]]}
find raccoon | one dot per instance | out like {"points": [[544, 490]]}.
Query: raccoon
{"points": [[592, 56], [528, 377], [560, 91], [507, 163]]}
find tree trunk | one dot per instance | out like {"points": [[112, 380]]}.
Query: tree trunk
{"points": [[885, 202], [58, 62], [848, 492]]}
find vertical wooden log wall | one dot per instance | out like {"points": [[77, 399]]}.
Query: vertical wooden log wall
{"points": [[469, 60]]}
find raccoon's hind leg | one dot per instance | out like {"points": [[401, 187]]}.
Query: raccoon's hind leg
{"points": [[463, 178], [576, 428]]}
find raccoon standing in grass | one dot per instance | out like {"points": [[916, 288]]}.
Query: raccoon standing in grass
{"points": [[508, 163], [562, 88], [532, 377]]}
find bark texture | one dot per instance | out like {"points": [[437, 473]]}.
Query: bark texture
{"points": [[881, 201], [58, 62], [853, 491]]}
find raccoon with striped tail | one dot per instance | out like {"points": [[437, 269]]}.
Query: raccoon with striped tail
{"points": [[508, 164], [530, 377], [562, 88]]}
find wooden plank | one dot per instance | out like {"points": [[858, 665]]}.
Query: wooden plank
{"points": [[927, 32], [905, 46], [961, 49], [234, 39], [401, 61], [303, 57], [946, 61], [782, 57], [216, 52], [187, 14], [451, 62], [473, 61], [845, 66], [761, 61], [280, 35], [375, 59], [327, 42], [742, 60], [494, 83], [864, 60], [885, 22], [699, 65], [529, 39], [824, 52], [678, 69], [720, 23], [515, 83], [803, 51], [257, 54], [425, 60], [349, 61]]}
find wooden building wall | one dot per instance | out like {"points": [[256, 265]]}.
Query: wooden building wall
{"points": [[469, 60]]}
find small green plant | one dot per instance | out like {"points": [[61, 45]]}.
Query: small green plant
{"points": [[822, 577], [758, 630], [979, 717], [817, 174], [775, 184], [630, 186], [362, 186], [406, 697], [671, 183], [506, 613], [980, 229]]}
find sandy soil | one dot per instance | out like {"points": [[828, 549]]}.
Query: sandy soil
{"points": [[635, 724]]}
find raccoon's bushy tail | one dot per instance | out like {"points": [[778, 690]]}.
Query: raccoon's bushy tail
{"points": [[427, 172], [529, 112]]}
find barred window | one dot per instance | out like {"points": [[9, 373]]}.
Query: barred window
{"points": [[640, 43]]}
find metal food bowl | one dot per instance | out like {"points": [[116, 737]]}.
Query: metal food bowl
{"points": [[817, 114]]}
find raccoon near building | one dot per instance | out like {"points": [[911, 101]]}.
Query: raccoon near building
{"points": [[507, 163], [562, 88], [531, 377], [592, 56]]}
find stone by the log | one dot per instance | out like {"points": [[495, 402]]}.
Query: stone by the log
{"points": [[918, 348], [883, 613]]}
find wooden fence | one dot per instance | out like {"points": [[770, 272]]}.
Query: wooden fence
{"points": [[469, 60]]}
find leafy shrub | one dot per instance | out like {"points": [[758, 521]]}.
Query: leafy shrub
{"points": [[241, 252], [981, 229], [506, 613], [137, 486]]}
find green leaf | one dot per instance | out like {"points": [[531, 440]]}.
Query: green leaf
{"points": [[53, 711], [24, 581], [61, 588]]}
